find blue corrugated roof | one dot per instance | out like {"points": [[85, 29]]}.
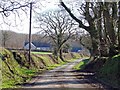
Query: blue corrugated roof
{"points": [[75, 49]]}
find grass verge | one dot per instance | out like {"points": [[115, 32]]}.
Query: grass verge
{"points": [[81, 65], [41, 52], [15, 69]]}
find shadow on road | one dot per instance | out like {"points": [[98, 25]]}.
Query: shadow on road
{"points": [[65, 77]]}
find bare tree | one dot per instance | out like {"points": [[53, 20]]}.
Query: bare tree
{"points": [[8, 7], [85, 40], [94, 33], [12, 11], [5, 37], [59, 27], [102, 19]]}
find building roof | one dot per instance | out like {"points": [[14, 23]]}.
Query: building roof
{"points": [[39, 44], [27, 46], [76, 49]]}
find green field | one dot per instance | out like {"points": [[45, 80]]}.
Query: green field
{"points": [[41, 52]]}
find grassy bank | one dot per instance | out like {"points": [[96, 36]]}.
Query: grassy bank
{"points": [[16, 69], [81, 65], [110, 72], [106, 69]]}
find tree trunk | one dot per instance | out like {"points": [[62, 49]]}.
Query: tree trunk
{"points": [[119, 27], [61, 56], [4, 43], [95, 51], [102, 34], [109, 25], [110, 32], [95, 47], [55, 53]]}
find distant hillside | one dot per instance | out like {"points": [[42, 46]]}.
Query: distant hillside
{"points": [[16, 40], [13, 40]]}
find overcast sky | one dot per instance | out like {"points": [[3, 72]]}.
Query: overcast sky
{"points": [[22, 21]]}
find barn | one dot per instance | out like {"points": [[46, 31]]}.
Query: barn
{"points": [[26, 46], [42, 46]]}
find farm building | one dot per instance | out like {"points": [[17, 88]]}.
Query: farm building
{"points": [[44, 46], [38, 46], [76, 49], [75, 46], [26, 46]]}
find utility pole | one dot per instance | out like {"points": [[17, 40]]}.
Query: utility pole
{"points": [[29, 57]]}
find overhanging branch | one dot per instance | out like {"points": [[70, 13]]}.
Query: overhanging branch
{"points": [[81, 25]]}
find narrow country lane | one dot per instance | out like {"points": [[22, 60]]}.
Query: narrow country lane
{"points": [[62, 77]]}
